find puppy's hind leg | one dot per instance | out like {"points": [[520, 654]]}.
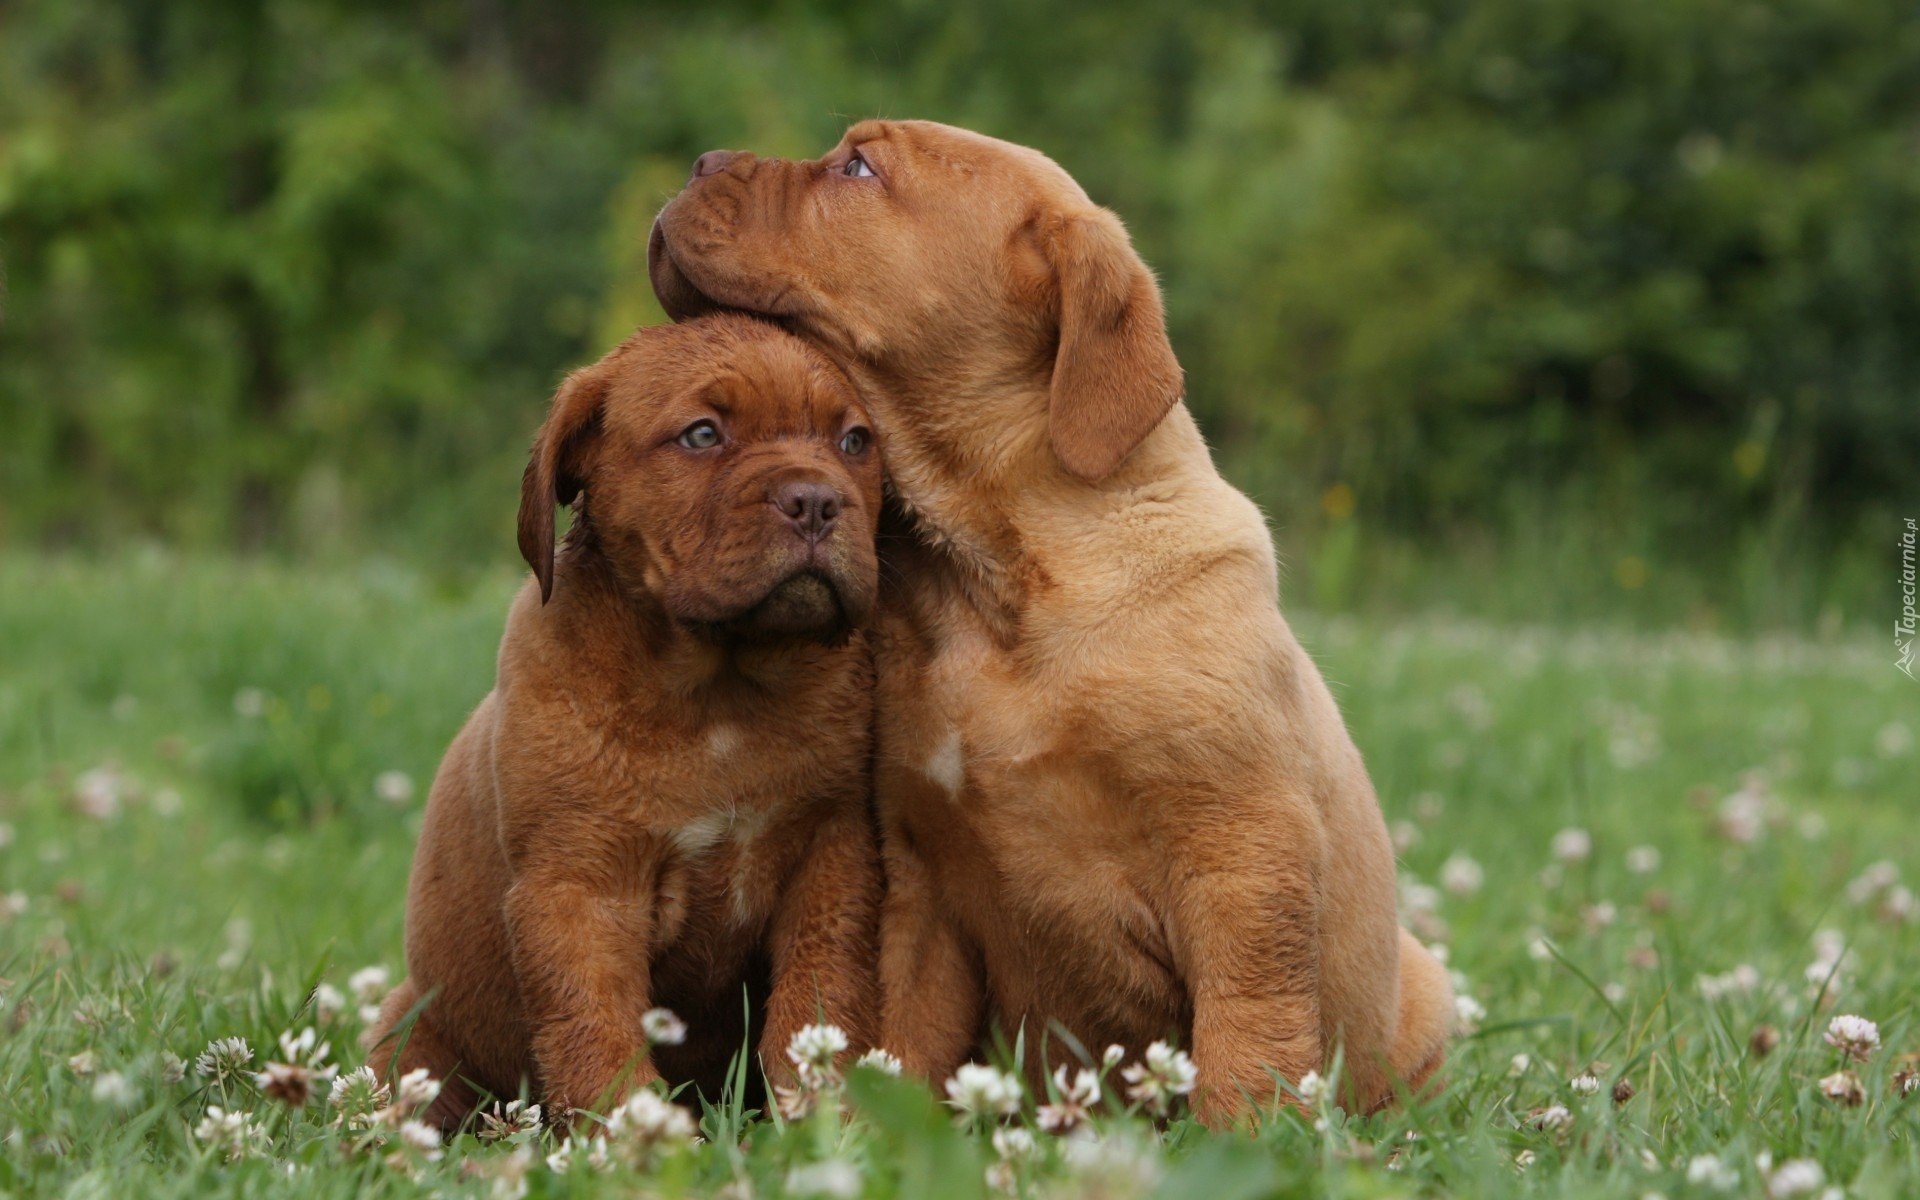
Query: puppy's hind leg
{"points": [[419, 1045], [1426, 1020]]}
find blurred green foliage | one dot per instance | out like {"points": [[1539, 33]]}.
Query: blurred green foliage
{"points": [[1637, 273]]}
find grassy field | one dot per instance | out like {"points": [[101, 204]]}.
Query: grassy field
{"points": [[1647, 856]]}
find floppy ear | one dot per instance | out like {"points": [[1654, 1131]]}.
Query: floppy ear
{"points": [[553, 468], [1115, 375]]}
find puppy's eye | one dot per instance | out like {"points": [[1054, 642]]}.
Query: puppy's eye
{"points": [[857, 167], [853, 441], [701, 435]]}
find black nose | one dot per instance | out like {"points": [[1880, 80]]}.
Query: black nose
{"points": [[713, 162], [811, 507]]}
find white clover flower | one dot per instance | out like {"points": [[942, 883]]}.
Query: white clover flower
{"points": [[645, 1123], [1899, 906], [1014, 1144], [505, 1174], [1844, 1088], [1112, 1056], [172, 1069], [1405, 835], [1829, 945], [1073, 1101], [416, 1089], [328, 1003], [369, 985], [592, 1152], [1524, 1159], [978, 1090], [1643, 860], [1795, 1177], [115, 1090], [356, 1097], [1876, 878], [306, 1049], [1740, 981], [1551, 1118], [1572, 845], [289, 1083], [1743, 815], [1163, 1074], [1520, 1064], [1115, 1165], [84, 1063], [1709, 1171], [1417, 897], [1461, 875], [884, 1061], [504, 1122], [662, 1027], [224, 1059], [1854, 1036], [834, 1178], [100, 792], [1584, 1085], [813, 1047], [421, 1138], [236, 1135], [394, 787], [1313, 1088], [1824, 974], [1468, 1013]]}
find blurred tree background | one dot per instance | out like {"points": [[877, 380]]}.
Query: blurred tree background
{"points": [[1597, 306]]}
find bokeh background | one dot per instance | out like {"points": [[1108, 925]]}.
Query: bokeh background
{"points": [[1571, 346], [1599, 308]]}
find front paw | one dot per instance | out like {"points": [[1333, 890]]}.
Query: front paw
{"points": [[1241, 1105]]}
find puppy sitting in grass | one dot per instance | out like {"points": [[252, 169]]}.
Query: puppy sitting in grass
{"points": [[664, 800]]}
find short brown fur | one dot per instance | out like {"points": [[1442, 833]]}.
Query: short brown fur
{"points": [[1116, 797], [665, 799]]}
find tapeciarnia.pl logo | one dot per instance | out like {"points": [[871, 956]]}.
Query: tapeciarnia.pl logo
{"points": [[1903, 627]]}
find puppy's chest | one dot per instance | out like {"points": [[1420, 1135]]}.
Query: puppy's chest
{"points": [[733, 831], [723, 874], [971, 743], [955, 712]]}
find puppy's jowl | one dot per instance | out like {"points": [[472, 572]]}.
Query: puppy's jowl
{"points": [[1117, 800], [664, 800]]}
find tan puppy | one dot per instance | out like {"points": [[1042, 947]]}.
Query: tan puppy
{"points": [[1117, 799], [665, 799]]}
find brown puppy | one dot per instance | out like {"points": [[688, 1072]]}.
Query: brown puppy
{"points": [[1116, 797], [664, 800]]}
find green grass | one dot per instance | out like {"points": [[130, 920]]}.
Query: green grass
{"points": [[250, 856]]}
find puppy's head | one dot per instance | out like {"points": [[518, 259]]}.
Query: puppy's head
{"points": [[722, 466], [946, 261]]}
